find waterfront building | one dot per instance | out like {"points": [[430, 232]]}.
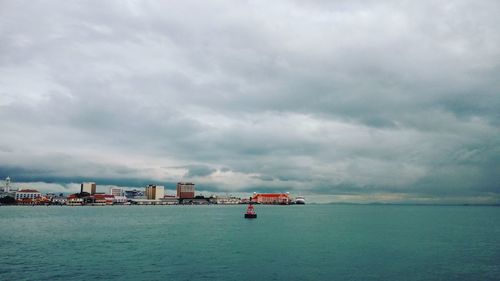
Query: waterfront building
{"points": [[75, 199], [198, 200], [116, 191], [162, 201], [141, 201], [134, 193], [154, 192], [101, 199], [227, 200], [185, 190], [89, 187], [120, 200], [272, 198], [50, 195], [6, 188], [59, 200], [245, 200], [169, 200], [94, 200], [28, 194]]}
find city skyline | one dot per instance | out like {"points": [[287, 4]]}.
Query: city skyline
{"points": [[353, 101]]}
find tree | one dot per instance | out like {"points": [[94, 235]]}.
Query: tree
{"points": [[8, 200]]}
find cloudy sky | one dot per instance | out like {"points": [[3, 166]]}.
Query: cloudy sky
{"points": [[354, 101]]}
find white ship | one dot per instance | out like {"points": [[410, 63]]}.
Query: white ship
{"points": [[300, 200]]}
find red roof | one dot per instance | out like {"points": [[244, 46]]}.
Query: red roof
{"points": [[29, 190], [103, 196], [270, 195]]}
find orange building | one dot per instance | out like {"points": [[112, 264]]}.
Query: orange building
{"points": [[272, 198]]}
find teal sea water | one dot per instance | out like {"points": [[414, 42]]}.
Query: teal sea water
{"points": [[310, 242]]}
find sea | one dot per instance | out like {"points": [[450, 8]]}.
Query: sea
{"points": [[297, 242]]}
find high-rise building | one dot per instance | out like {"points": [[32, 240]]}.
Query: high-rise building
{"points": [[185, 190], [89, 187], [154, 192], [116, 191]]}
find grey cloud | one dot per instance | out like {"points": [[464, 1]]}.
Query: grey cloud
{"points": [[320, 96], [199, 170], [264, 178]]}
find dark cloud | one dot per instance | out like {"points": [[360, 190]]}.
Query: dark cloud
{"points": [[323, 97], [198, 170]]}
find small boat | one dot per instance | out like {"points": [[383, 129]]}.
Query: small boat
{"points": [[250, 214], [300, 200]]}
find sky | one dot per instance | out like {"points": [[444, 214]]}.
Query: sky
{"points": [[340, 101]]}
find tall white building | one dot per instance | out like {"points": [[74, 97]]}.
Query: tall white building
{"points": [[116, 191], [154, 192]]}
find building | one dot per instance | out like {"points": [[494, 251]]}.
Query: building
{"points": [[154, 192], [102, 199], [169, 200], [227, 200], [28, 194], [116, 191], [139, 194], [59, 200], [272, 198], [120, 200], [89, 187], [185, 190], [75, 200], [95, 200], [6, 188], [7, 191], [31, 197], [56, 199]]}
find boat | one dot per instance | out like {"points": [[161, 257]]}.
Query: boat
{"points": [[300, 200], [250, 214]]}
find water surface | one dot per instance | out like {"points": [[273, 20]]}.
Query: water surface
{"points": [[309, 242]]}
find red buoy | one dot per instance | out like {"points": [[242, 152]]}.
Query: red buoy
{"points": [[250, 214]]}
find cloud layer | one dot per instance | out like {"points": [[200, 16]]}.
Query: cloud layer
{"points": [[342, 98]]}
